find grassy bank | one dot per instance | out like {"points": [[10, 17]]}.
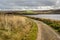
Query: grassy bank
{"points": [[32, 35], [55, 24], [15, 27]]}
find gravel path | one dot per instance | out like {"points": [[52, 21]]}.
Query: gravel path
{"points": [[45, 32], [39, 31]]}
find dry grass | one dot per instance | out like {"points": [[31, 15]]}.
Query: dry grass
{"points": [[13, 27]]}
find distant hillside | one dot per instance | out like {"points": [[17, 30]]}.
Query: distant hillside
{"points": [[57, 11]]}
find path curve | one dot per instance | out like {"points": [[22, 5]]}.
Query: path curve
{"points": [[45, 32], [39, 30]]}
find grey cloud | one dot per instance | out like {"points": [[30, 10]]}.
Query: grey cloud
{"points": [[35, 3], [18, 3]]}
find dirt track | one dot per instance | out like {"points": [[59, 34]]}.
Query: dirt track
{"points": [[45, 32]]}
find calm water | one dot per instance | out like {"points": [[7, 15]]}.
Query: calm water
{"points": [[47, 16]]}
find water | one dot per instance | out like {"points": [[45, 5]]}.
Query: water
{"points": [[47, 16]]}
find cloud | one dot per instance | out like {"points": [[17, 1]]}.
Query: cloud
{"points": [[29, 3], [58, 3]]}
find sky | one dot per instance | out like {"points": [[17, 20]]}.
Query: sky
{"points": [[12, 4]]}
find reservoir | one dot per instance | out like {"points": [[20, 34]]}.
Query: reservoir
{"points": [[47, 16]]}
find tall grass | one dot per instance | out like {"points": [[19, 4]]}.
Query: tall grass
{"points": [[15, 27]]}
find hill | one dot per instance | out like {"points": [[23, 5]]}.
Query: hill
{"points": [[30, 12]]}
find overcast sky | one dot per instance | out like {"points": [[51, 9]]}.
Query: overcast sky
{"points": [[30, 3]]}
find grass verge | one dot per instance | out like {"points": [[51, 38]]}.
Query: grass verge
{"points": [[55, 24], [33, 32]]}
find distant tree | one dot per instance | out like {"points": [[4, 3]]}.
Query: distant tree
{"points": [[29, 11]]}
